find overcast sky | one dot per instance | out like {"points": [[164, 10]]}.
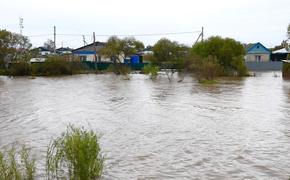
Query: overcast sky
{"points": [[248, 21]]}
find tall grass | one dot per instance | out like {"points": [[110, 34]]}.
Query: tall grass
{"points": [[16, 164], [74, 155]]}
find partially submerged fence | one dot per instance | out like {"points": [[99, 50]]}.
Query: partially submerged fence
{"points": [[264, 66], [106, 65]]}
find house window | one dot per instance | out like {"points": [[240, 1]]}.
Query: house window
{"points": [[258, 58], [83, 58]]}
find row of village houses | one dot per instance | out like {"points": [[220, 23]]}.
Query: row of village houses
{"points": [[254, 53]]}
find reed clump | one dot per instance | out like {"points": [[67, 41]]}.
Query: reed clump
{"points": [[74, 155]]}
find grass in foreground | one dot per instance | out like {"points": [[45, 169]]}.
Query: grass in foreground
{"points": [[74, 155], [16, 164]]}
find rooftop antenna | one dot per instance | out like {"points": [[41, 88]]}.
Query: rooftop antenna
{"points": [[21, 24]]}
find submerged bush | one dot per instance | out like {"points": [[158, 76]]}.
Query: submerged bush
{"points": [[53, 66], [151, 70], [19, 69], [119, 69], [74, 155], [58, 65], [16, 164], [205, 69]]}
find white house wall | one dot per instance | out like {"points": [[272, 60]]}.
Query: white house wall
{"points": [[252, 57]]}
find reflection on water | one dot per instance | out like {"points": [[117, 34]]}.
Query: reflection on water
{"points": [[238, 129]]}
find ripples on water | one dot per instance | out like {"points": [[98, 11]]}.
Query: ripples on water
{"points": [[238, 129]]}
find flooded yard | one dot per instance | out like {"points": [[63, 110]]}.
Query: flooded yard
{"points": [[237, 129]]}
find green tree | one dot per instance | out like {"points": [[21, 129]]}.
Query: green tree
{"points": [[168, 52], [118, 49], [131, 46], [13, 44], [228, 52], [169, 55]]}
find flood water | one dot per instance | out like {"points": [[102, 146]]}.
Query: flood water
{"points": [[237, 129]]}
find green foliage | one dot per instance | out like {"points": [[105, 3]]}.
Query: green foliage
{"points": [[74, 155], [13, 44], [240, 67], [131, 46], [207, 82], [2, 64], [151, 70], [168, 53], [119, 69], [229, 53], [286, 70], [20, 69], [55, 66], [119, 49], [205, 69], [17, 165]]}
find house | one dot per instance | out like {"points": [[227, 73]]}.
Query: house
{"points": [[64, 50], [257, 53], [44, 51], [280, 54], [90, 52]]}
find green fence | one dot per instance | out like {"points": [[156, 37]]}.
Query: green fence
{"points": [[105, 65]]}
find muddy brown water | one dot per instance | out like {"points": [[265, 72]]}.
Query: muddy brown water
{"points": [[237, 129]]}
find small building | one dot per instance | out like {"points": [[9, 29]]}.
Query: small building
{"points": [[257, 53], [64, 50], [44, 51], [91, 52], [280, 54]]}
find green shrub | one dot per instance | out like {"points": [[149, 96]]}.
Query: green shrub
{"points": [[55, 66], [228, 52], [119, 69], [151, 70], [20, 69], [16, 165], [239, 66], [74, 155], [205, 68]]}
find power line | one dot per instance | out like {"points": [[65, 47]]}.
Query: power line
{"points": [[107, 35], [40, 35], [145, 34]]}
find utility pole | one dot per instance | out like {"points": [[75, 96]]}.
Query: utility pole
{"points": [[84, 40], [202, 34], [54, 39], [95, 47], [21, 24]]}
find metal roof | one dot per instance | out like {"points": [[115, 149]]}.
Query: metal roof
{"points": [[281, 51]]}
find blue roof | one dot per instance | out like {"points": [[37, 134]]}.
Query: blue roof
{"points": [[258, 48]]}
